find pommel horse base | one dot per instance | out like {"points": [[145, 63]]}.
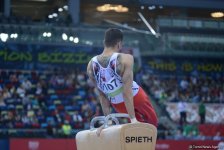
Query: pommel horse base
{"points": [[130, 136]]}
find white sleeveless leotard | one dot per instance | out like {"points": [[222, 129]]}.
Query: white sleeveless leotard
{"points": [[109, 82]]}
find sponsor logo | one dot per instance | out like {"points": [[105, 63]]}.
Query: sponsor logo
{"points": [[33, 145], [138, 139]]}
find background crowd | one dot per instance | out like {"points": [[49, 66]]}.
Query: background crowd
{"points": [[62, 102]]}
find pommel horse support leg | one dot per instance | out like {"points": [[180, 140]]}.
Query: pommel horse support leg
{"points": [[130, 136]]}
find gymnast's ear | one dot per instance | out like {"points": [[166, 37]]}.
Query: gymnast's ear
{"points": [[119, 45]]}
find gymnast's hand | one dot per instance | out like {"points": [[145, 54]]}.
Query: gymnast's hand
{"points": [[134, 120], [98, 131]]}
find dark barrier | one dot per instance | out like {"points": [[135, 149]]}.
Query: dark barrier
{"points": [[4, 144], [69, 144]]}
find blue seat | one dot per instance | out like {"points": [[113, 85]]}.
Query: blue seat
{"points": [[65, 102], [49, 119], [82, 93], [52, 107], [3, 107], [43, 125], [53, 97], [11, 107], [68, 108], [80, 102], [72, 108], [9, 101]]}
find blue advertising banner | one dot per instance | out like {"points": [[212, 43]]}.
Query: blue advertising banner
{"points": [[183, 65], [38, 57], [45, 57]]}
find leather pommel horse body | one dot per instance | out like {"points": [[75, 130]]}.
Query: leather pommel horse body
{"points": [[130, 136]]}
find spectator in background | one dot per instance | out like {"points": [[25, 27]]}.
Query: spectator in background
{"points": [[21, 91], [73, 75], [25, 100], [60, 80], [205, 87], [184, 84], [190, 131], [202, 112], [193, 79], [27, 85], [159, 91], [6, 93], [18, 121], [25, 120], [200, 136], [182, 108], [2, 103], [53, 81], [138, 77], [220, 146], [199, 88], [86, 124], [221, 96], [21, 77], [39, 89], [195, 97], [85, 107], [146, 81], [162, 129], [217, 137], [34, 122], [57, 117], [90, 83], [81, 79], [66, 128], [77, 120], [69, 81], [40, 115], [50, 129], [12, 91], [13, 78], [178, 135], [77, 117], [98, 111], [208, 98]]}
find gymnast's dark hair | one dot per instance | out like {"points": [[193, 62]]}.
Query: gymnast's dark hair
{"points": [[112, 37]]}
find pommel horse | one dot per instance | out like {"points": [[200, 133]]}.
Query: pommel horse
{"points": [[129, 136]]}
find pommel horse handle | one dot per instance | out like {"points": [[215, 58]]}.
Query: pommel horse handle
{"points": [[106, 119]]}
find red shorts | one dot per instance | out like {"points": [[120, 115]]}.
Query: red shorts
{"points": [[144, 110]]}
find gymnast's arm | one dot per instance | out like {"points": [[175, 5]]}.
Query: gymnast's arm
{"points": [[126, 62], [102, 97], [104, 103], [103, 100]]}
